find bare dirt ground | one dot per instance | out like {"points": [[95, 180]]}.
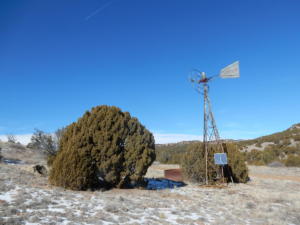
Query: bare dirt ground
{"points": [[26, 198]]}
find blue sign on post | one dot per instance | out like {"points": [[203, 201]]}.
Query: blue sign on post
{"points": [[220, 158]]}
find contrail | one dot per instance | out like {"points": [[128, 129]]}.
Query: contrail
{"points": [[98, 10]]}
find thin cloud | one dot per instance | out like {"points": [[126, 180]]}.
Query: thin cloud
{"points": [[104, 6], [160, 138], [175, 138]]}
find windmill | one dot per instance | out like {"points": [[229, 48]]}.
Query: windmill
{"points": [[210, 130]]}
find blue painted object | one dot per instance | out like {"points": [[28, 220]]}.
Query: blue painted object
{"points": [[159, 184], [220, 158]]}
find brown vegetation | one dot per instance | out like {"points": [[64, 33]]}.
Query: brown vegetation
{"points": [[293, 160], [172, 153], [194, 165], [104, 148]]}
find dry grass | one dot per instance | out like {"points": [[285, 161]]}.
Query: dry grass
{"points": [[20, 152], [27, 198]]}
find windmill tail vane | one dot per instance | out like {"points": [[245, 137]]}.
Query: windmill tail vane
{"points": [[231, 71]]}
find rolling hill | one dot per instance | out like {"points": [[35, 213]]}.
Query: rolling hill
{"points": [[282, 147]]}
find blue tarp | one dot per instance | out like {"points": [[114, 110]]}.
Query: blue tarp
{"points": [[158, 184]]}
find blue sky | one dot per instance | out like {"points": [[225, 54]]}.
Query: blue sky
{"points": [[60, 58]]}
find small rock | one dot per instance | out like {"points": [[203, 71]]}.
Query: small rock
{"points": [[40, 169]]}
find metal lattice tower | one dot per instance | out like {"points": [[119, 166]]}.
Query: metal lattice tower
{"points": [[210, 131]]}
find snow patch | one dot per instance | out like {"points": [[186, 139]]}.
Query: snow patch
{"points": [[9, 196]]}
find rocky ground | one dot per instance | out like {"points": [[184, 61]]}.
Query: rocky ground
{"points": [[26, 198]]}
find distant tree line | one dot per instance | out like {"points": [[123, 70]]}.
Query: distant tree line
{"points": [[282, 152], [172, 153]]}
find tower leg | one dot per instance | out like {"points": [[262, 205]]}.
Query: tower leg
{"points": [[210, 135], [205, 134]]}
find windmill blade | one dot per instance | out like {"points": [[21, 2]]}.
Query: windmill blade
{"points": [[194, 76], [192, 80], [231, 71]]}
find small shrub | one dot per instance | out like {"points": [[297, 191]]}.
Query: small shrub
{"points": [[40, 169], [11, 138], [194, 165], [258, 163], [296, 138], [293, 160], [42, 141], [104, 148], [236, 162], [17, 146], [268, 156], [276, 141], [258, 145], [286, 141], [253, 156]]}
